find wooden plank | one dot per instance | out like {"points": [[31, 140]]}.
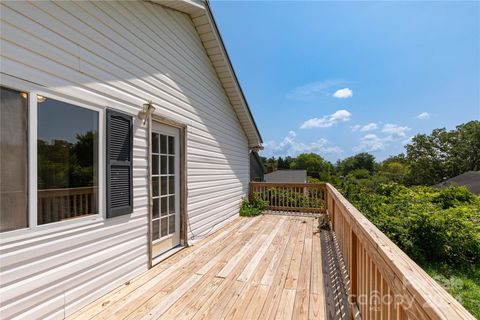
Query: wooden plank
{"points": [[287, 302], [294, 270], [276, 286], [190, 296], [281, 255], [316, 283], [199, 300], [316, 308], [218, 307], [161, 298], [301, 307], [190, 304], [106, 301], [269, 246], [156, 306], [240, 255], [253, 264], [277, 244], [134, 298], [218, 258], [242, 303], [251, 289], [257, 302], [215, 306]]}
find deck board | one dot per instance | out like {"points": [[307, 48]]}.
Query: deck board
{"points": [[268, 267]]}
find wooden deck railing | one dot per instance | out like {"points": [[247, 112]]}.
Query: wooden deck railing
{"points": [[60, 204], [384, 283], [298, 197]]}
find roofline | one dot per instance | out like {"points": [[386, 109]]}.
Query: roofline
{"points": [[196, 9], [231, 68]]}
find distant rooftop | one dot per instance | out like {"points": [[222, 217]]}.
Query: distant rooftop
{"points": [[296, 176], [469, 179]]}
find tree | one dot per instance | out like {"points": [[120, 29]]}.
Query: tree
{"points": [[464, 153], [312, 162], [443, 154], [360, 161], [399, 158], [269, 163]]}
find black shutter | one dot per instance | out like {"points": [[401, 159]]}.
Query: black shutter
{"points": [[119, 164]]}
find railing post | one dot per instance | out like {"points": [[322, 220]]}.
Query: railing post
{"points": [[250, 191], [325, 196], [333, 214], [353, 268]]}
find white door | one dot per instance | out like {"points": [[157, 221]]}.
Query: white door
{"points": [[165, 181]]}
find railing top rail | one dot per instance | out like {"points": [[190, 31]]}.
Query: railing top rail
{"points": [[289, 184], [67, 191], [433, 298]]}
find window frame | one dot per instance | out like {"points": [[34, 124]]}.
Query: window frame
{"points": [[32, 155]]}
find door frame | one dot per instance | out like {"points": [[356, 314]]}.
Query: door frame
{"points": [[183, 180]]}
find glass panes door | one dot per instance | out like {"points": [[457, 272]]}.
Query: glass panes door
{"points": [[165, 189]]}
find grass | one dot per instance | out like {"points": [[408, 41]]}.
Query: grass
{"points": [[463, 285]]}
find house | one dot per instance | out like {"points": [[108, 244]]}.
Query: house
{"points": [[469, 179], [293, 176], [124, 136]]}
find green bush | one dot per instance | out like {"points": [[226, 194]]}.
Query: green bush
{"points": [[453, 196], [430, 225], [253, 206]]}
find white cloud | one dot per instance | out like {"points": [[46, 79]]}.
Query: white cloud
{"points": [[371, 143], [290, 147], [343, 93], [356, 127], [312, 89], [327, 121], [369, 127], [395, 131], [424, 116]]}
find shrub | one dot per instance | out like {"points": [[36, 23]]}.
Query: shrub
{"points": [[453, 196], [430, 225], [253, 207]]}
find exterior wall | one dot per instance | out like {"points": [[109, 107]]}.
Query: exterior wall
{"points": [[116, 54], [257, 170]]}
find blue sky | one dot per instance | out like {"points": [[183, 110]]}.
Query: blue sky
{"points": [[338, 78]]}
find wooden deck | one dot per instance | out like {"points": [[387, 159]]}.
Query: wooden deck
{"points": [[267, 267]]}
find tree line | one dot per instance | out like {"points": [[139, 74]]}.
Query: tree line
{"points": [[428, 159]]}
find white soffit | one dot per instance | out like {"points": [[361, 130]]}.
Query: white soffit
{"points": [[204, 23]]}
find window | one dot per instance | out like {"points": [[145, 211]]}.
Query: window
{"points": [[67, 161], [49, 164], [13, 160], [163, 185]]}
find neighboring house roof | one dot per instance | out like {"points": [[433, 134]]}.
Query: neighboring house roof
{"points": [[469, 179], [299, 176], [208, 32]]}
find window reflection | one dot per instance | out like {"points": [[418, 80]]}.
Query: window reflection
{"points": [[67, 153]]}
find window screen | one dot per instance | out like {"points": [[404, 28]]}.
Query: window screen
{"points": [[13, 160]]}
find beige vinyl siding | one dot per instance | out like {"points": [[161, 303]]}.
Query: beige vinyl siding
{"points": [[119, 55]]}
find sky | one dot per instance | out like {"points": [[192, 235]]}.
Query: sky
{"points": [[339, 78]]}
